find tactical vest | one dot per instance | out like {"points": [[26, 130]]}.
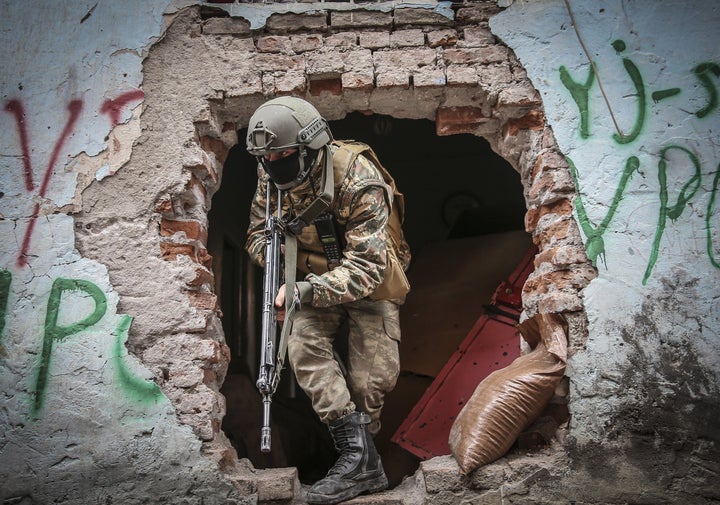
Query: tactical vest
{"points": [[311, 256]]}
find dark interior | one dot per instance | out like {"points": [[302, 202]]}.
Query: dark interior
{"points": [[464, 224]]}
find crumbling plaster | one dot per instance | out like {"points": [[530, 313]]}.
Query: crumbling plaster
{"points": [[110, 217]]}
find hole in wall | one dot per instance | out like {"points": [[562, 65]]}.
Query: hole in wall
{"points": [[464, 218]]}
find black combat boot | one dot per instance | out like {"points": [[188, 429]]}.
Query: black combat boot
{"points": [[358, 469]]}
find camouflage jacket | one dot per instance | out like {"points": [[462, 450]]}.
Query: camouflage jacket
{"points": [[361, 205]]}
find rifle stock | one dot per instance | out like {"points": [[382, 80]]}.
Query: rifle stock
{"points": [[268, 374]]}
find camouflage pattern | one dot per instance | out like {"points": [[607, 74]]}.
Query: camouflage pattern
{"points": [[373, 361], [361, 206]]}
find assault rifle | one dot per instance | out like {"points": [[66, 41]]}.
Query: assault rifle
{"points": [[269, 373]]}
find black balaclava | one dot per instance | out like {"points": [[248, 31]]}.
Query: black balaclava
{"points": [[291, 170]]}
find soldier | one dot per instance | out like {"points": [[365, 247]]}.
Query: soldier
{"points": [[352, 256]]}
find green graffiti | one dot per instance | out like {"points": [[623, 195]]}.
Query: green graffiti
{"points": [[595, 245], [54, 332], [708, 217], [136, 387], [664, 93], [637, 80], [579, 93], [671, 212], [703, 72], [5, 278]]}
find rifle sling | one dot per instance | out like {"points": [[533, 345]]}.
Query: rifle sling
{"points": [[319, 205], [290, 266]]}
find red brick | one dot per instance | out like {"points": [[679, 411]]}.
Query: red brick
{"points": [[170, 251], [332, 86], [533, 215], [202, 300], [533, 120], [453, 120], [193, 229], [202, 276], [442, 38]]}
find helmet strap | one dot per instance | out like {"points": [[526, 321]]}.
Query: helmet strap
{"points": [[322, 202]]}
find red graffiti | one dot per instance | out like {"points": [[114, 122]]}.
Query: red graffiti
{"points": [[16, 108], [111, 107], [114, 106]]}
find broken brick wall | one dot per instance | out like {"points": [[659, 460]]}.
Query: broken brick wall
{"points": [[129, 215]]}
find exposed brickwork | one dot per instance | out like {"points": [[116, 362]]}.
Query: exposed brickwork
{"points": [[410, 61]]}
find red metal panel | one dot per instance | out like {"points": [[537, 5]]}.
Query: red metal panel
{"points": [[492, 344]]}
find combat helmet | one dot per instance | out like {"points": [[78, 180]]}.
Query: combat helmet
{"points": [[282, 124]]}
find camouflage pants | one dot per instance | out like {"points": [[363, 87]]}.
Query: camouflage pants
{"points": [[373, 361]]}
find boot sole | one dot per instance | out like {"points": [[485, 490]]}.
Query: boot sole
{"points": [[362, 487]]}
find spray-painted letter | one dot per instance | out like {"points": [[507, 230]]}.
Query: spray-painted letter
{"points": [[637, 80], [54, 331], [579, 93], [595, 245], [136, 387], [709, 216], [671, 212], [703, 72], [5, 278]]}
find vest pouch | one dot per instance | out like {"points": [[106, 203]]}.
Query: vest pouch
{"points": [[310, 262], [395, 285]]}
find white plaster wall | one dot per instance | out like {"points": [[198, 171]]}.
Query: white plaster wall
{"points": [[98, 429], [653, 331]]}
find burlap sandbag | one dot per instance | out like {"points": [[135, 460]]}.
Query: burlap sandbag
{"points": [[508, 400]]}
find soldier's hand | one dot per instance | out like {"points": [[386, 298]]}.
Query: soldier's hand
{"points": [[280, 303]]}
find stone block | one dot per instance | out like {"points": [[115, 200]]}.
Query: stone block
{"points": [[520, 95], [441, 473], [476, 14], [396, 59], [476, 55], [226, 26], [442, 38], [275, 44], [293, 83], [342, 39], [325, 63], [291, 22], [276, 484], [477, 36], [304, 43], [358, 81], [374, 40], [360, 19], [429, 77], [266, 62], [407, 38], [461, 75], [393, 79], [420, 16]]}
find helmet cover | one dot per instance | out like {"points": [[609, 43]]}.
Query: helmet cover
{"points": [[283, 124]]}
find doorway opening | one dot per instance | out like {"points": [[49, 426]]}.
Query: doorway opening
{"points": [[465, 226]]}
